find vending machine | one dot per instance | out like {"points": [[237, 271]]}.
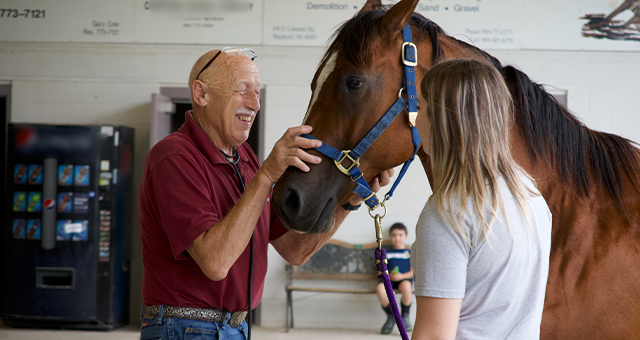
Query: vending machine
{"points": [[66, 231]]}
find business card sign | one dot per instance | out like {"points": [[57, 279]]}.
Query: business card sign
{"points": [[66, 20], [237, 22]]}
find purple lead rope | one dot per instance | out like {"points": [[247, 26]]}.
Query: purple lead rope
{"points": [[381, 265]]}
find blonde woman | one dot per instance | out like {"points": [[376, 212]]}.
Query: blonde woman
{"points": [[481, 254]]}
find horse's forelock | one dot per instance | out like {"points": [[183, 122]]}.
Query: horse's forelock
{"points": [[356, 38]]}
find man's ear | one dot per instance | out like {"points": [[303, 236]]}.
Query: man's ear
{"points": [[198, 93]]}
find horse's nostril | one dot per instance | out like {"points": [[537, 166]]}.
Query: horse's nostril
{"points": [[291, 202]]}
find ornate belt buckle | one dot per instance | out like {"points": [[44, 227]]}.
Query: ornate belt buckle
{"points": [[237, 318]]}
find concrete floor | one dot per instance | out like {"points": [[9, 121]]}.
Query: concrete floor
{"points": [[132, 332]]}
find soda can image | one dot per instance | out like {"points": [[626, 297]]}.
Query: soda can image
{"points": [[82, 174], [81, 230], [18, 231], [20, 174], [35, 174], [61, 230], [65, 174], [33, 229], [35, 202], [20, 201], [65, 203]]}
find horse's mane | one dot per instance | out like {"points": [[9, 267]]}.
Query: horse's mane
{"points": [[551, 131]]}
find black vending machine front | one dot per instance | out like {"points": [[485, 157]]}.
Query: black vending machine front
{"points": [[66, 232]]}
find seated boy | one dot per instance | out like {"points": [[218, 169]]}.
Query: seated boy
{"points": [[401, 275]]}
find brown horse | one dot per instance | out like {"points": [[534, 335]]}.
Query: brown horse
{"points": [[590, 179]]}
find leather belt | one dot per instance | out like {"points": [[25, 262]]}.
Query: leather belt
{"points": [[194, 313]]}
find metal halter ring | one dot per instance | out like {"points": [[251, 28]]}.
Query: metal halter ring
{"points": [[379, 205]]}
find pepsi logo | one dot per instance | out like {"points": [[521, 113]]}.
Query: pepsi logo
{"points": [[49, 203], [25, 137]]}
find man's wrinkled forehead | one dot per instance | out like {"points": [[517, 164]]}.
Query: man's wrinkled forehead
{"points": [[225, 68], [233, 69]]}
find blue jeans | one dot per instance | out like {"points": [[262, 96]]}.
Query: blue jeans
{"points": [[161, 328]]}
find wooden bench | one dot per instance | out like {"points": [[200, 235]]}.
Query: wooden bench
{"points": [[335, 261]]}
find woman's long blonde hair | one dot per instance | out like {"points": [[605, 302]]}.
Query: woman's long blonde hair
{"points": [[470, 109]]}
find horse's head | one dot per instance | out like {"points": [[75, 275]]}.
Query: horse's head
{"points": [[359, 78]]}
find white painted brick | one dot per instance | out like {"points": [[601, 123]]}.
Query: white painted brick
{"points": [[52, 92], [141, 140], [138, 93], [598, 120], [627, 125], [21, 91], [611, 100], [578, 101], [98, 92], [136, 115], [289, 95], [31, 112]]}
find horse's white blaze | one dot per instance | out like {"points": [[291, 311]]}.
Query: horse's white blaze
{"points": [[326, 71]]}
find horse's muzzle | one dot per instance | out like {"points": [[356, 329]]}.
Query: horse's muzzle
{"points": [[306, 202]]}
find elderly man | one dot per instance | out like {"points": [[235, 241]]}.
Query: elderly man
{"points": [[205, 213]]}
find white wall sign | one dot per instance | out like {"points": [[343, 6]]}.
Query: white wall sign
{"points": [[488, 24], [582, 25], [305, 23], [199, 21], [311, 23], [66, 20]]}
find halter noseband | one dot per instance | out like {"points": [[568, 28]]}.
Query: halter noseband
{"points": [[409, 60]]}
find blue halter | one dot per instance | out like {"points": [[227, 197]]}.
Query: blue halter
{"points": [[410, 60]]}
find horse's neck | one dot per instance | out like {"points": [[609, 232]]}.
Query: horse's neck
{"points": [[545, 176], [425, 159]]}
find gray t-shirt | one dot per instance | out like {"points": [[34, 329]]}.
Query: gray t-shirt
{"points": [[501, 282]]}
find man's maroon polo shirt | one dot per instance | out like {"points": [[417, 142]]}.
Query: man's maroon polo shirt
{"points": [[186, 188]]}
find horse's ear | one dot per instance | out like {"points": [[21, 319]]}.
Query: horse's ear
{"points": [[397, 17], [371, 4]]}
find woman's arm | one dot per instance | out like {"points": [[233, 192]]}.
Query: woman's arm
{"points": [[436, 318]]}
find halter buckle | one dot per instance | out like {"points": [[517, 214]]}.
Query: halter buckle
{"points": [[410, 63], [372, 208], [354, 162], [381, 204]]}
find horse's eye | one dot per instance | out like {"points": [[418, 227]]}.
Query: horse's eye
{"points": [[354, 84]]}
